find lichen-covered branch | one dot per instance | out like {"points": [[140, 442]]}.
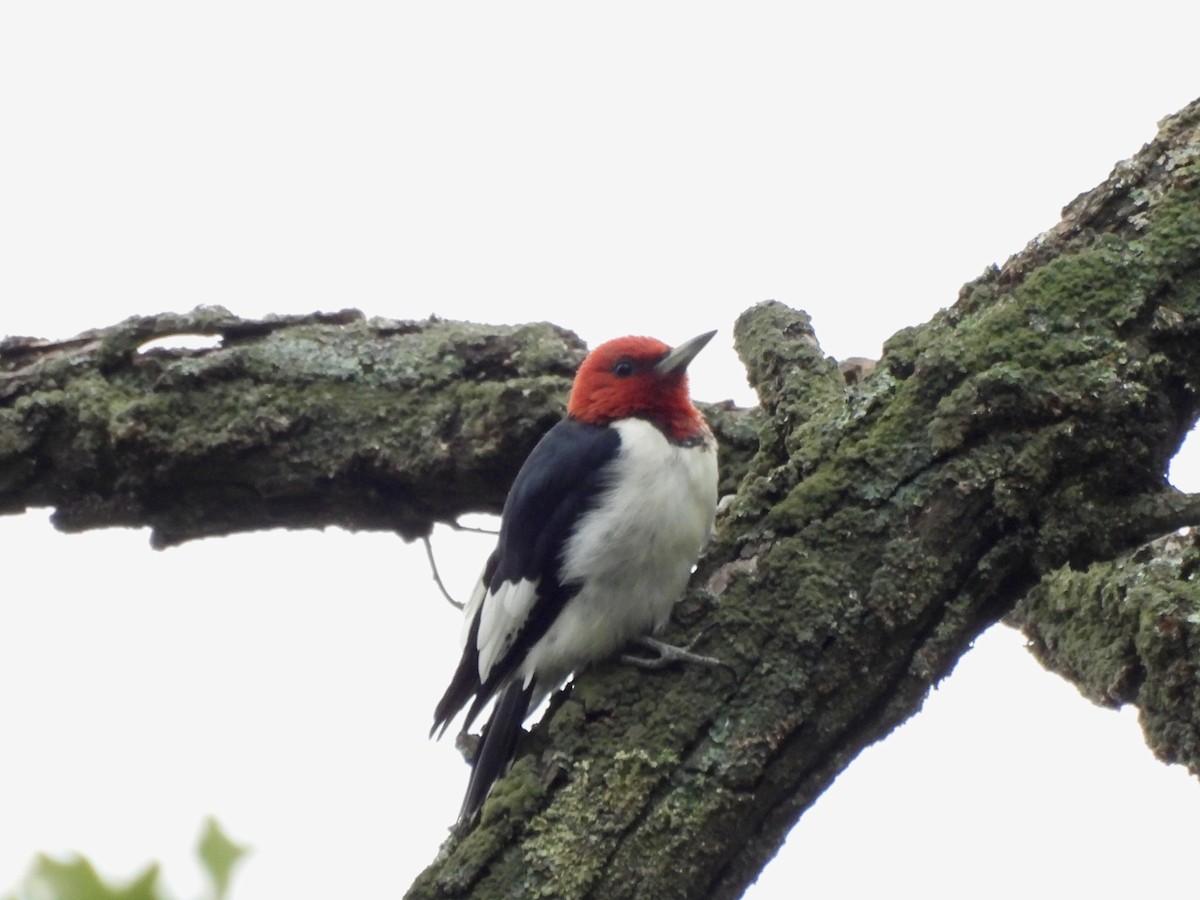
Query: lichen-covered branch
{"points": [[300, 421], [1128, 631], [881, 527], [884, 521], [291, 422]]}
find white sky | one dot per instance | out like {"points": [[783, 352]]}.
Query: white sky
{"points": [[621, 168]]}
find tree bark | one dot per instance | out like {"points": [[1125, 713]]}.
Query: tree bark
{"points": [[293, 421], [879, 527], [1125, 631]]}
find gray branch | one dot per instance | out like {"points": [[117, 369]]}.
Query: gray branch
{"points": [[293, 422], [1127, 631], [881, 527], [884, 521]]}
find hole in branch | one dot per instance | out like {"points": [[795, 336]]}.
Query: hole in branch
{"points": [[1184, 471], [182, 342]]}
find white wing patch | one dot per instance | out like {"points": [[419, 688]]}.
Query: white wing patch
{"points": [[471, 610], [502, 615]]}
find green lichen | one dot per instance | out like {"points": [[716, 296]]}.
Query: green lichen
{"points": [[1123, 632], [254, 433], [559, 850]]}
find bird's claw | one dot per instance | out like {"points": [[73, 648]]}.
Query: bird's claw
{"points": [[666, 654]]}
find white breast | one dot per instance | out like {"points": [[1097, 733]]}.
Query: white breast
{"points": [[634, 553]]}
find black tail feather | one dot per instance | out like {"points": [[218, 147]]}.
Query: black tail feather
{"points": [[463, 685], [496, 747]]}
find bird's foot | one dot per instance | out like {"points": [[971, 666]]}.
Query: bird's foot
{"points": [[666, 654]]}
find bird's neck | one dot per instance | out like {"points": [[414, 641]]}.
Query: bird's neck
{"points": [[682, 424]]}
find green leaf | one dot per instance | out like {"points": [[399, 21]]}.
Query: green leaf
{"points": [[76, 879], [219, 855]]}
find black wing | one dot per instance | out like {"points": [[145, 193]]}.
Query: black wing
{"points": [[559, 482]]}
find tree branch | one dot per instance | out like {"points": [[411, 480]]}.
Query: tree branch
{"points": [[1125, 631], [293, 422], [879, 530]]}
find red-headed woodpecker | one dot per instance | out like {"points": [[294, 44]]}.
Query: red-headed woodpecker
{"points": [[598, 536]]}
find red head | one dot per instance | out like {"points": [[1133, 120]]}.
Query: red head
{"points": [[639, 376]]}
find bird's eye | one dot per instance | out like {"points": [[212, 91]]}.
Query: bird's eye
{"points": [[623, 368]]}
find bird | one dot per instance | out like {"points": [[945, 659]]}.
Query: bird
{"points": [[599, 534]]}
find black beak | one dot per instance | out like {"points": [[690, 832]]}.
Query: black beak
{"points": [[679, 357]]}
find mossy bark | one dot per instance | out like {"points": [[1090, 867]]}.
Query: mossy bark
{"points": [[880, 526], [1128, 631], [293, 421]]}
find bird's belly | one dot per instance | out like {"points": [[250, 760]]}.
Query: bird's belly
{"points": [[633, 555]]}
